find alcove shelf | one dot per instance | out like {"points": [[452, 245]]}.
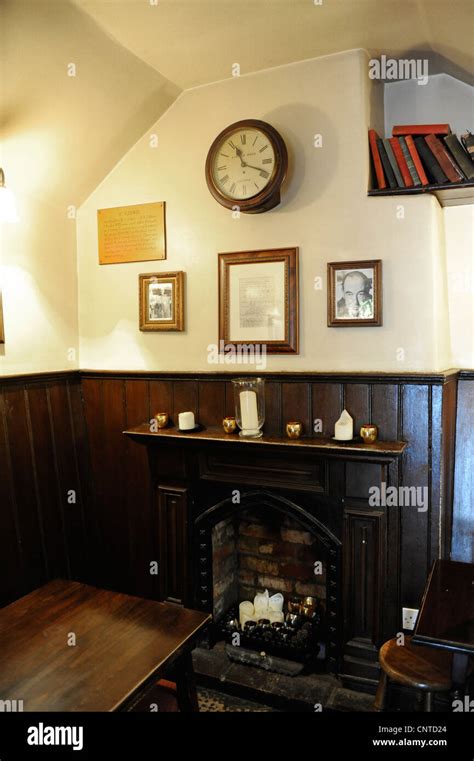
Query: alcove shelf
{"points": [[448, 194]]}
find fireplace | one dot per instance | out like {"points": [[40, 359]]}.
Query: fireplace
{"points": [[215, 494], [260, 540]]}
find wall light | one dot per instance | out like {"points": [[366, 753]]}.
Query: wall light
{"points": [[8, 212]]}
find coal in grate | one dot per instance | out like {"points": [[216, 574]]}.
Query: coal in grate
{"points": [[298, 640]]}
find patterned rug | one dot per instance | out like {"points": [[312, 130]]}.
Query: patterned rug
{"points": [[212, 701]]}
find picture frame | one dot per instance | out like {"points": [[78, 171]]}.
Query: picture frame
{"points": [[258, 300], [355, 294], [161, 301]]}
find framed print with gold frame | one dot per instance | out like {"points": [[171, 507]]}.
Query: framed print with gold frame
{"points": [[258, 300], [161, 298], [355, 294]]}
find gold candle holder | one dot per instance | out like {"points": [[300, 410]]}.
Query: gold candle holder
{"points": [[294, 429], [162, 419], [369, 433], [229, 424]]}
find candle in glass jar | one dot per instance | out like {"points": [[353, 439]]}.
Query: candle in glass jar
{"points": [[248, 410], [186, 421]]}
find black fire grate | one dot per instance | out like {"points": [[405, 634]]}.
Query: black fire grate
{"points": [[298, 641]]}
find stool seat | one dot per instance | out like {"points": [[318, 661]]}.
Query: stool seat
{"points": [[417, 666]]}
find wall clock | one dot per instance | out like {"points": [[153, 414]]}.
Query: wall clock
{"points": [[246, 166]]}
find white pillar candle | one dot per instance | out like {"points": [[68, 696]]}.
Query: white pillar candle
{"points": [[344, 429], [186, 421], [246, 612], [275, 615], [248, 410], [275, 602]]}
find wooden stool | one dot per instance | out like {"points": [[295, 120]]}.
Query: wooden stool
{"points": [[427, 669]]}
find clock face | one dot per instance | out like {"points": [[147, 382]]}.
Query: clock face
{"points": [[243, 163]]}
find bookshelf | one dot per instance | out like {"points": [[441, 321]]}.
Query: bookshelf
{"points": [[448, 194]]}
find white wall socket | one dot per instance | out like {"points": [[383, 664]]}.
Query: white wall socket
{"points": [[409, 616]]}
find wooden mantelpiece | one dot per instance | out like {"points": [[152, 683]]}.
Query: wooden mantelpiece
{"points": [[320, 480], [368, 452]]}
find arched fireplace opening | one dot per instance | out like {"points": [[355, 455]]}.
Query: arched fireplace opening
{"points": [[258, 540]]}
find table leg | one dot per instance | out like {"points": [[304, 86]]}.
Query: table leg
{"points": [[186, 684]]}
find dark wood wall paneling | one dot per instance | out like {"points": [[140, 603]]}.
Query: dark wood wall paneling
{"points": [[404, 407], [108, 536], [46, 520], [463, 513]]}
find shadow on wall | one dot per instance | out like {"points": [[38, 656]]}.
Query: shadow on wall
{"points": [[306, 161]]}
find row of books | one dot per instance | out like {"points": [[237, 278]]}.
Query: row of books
{"points": [[419, 155]]}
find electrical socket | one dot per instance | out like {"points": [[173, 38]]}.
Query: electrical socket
{"points": [[409, 616]]}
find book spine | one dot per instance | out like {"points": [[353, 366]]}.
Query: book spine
{"points": [[439, 152], [409, 160], [389, 174], [460, 156], [467, 140], [416, 160], [433, 169], [401, 162], [393, 163], [421, 129], [376, 159]]}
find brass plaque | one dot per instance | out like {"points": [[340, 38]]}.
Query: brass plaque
{"points": [[132, 233]]}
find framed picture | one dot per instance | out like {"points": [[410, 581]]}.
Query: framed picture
{"points": [[355, 294], [162, 301], [258, 299]]}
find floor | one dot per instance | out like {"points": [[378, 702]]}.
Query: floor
{"points": [[212, 701]]}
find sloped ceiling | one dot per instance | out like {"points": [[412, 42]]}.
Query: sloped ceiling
{"points": [[192, 42], [60, 135], [133, 57]]}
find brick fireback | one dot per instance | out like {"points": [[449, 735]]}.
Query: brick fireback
{"points": [[261, 549]]}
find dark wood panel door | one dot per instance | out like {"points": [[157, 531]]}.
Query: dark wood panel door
{"points": [[173, 544], [364, 542]]}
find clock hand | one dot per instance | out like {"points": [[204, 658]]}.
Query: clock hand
{"points": [[239, 154], [244, 163], [258, 168]]}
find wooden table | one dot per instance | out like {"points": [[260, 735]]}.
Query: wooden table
{"points": [[122, 644], [446, 618]]}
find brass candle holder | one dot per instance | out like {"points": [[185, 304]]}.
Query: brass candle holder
{"points": [[162, 419], [229, 424], [369, 433], [294, 429]]}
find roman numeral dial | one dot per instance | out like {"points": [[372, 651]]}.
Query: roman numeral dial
{"points": [[246, 164]]}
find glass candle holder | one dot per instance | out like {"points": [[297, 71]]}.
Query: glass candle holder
{"points": [[249, 398]]}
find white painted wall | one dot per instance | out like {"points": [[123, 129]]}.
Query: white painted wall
{"points": [[38, 277], [325, 211], [60, 136], [459, 225], [445, 99]]}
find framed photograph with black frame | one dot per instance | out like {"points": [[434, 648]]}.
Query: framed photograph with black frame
{"points": [[355, 294], [258, 299], [161, 296]]}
